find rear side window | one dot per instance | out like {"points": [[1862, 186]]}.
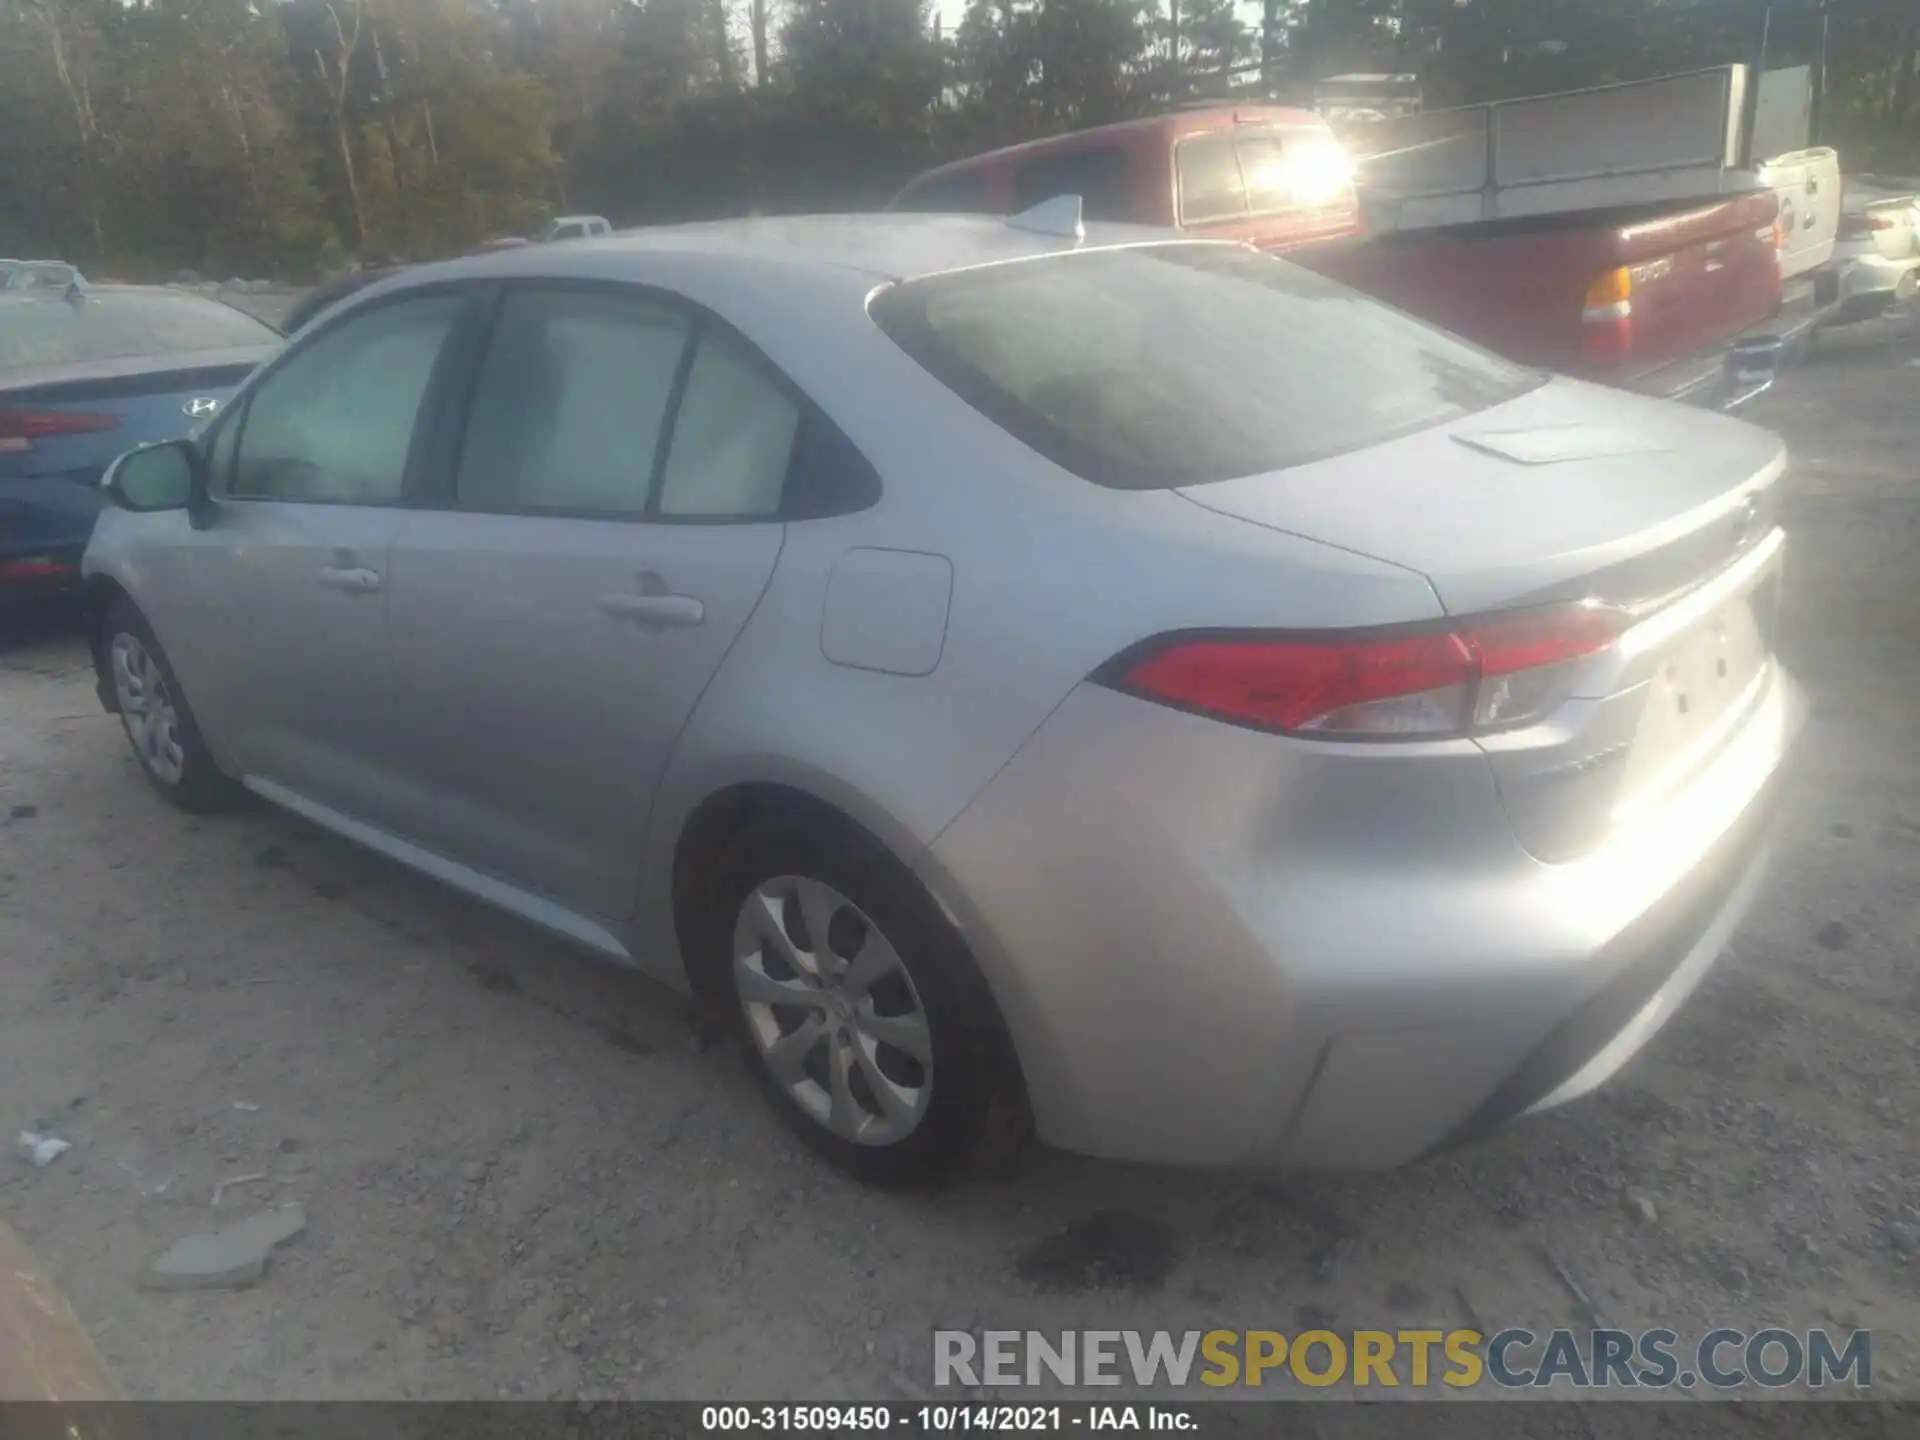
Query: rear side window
{"points": [[962, 193], [596, 404], [1162, 365], [571, 399], [732, 437], [1098, 176]]}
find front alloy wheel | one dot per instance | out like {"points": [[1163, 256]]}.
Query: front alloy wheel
{"points": [[147, 710]]}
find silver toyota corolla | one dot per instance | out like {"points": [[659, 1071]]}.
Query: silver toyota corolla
{"points": [[1118, 680]]}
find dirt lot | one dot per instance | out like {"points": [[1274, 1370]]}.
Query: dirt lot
{"points": [[524, 1179]]}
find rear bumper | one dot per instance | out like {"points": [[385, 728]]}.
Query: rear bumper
{"points": [[1747, 364], [1658, 961], [1217, 946], [35, 572], [45, 523], [1871, 283]]}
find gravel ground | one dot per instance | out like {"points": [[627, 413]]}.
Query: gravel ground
{"points": [[523, 1178]]}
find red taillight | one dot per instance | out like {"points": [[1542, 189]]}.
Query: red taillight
{"points": [[1852, 227], [20, 428], [1529, 639], [1299, 684], [35, 567], [1488, 674]]}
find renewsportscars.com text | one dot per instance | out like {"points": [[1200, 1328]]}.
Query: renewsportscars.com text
{"points": [[1514, 1358]]}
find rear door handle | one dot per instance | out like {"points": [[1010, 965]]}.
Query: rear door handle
{"points": [[654, 609], [354, 580]]}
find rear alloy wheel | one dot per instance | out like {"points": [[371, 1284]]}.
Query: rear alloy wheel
{"points": [[154, 713], [856, 1003], [832, 1010]]}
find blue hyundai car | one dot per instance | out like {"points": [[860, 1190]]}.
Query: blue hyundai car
{"points": [[85, 373]]}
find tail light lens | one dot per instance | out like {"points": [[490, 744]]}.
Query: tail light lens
{"points": [[20, 428], [1481, 675], [35, 567], [1854, 227], [1606, 318]]}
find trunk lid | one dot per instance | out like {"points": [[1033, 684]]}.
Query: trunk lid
{"points": [[1573, 493], [1567, 488], [1699, 278], [149, 401]]}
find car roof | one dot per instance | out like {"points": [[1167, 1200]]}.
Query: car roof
{"points": [[874, 247]]}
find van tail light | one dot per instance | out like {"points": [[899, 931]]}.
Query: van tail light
{"points": [[1855, 227], [1606, 318], [20, 428], [1481, 675]]}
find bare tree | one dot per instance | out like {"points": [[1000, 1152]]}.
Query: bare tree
{"points": [[344, 46], [757, 24], [73, 80]]}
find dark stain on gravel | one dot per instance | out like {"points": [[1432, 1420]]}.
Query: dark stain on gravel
{"points": [[1402, 1296], [492, 977], [1833, 935], [626, 1040], [1108, 1250]]}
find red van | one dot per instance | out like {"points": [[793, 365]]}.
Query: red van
{"points": [[1261, 173]]}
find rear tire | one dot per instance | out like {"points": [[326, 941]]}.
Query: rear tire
{"points": [[875, 1039], [160, 727]]}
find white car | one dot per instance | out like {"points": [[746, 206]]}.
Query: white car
{"points": [[1878, 254]]}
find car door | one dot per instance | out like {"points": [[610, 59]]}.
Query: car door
{"points": [[612, 520], [289, 569]]}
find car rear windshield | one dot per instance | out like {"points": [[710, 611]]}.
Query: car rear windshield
{"points": [[1161, 365], [50, 331]]}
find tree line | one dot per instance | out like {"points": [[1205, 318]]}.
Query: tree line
{"points": [[293, 137]]}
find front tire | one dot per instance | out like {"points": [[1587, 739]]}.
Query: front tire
{"points": [[165, 738], [854, 1002]]}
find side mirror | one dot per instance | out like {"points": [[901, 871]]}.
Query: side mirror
{"points": [[167, 475]]}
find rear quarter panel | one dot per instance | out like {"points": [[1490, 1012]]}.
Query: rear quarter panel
{"points": [[1051, 576]]}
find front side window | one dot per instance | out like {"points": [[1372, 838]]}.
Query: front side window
{"points": [[335, 423], [570, 404], [1155, 366]]}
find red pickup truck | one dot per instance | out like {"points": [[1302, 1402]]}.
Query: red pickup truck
{"points": [[1671, 297], [1266, 174]]}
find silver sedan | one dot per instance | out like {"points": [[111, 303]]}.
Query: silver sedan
{"points": [[1010, 673]]}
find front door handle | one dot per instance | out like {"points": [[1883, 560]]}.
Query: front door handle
{"points": [[654, 609], [354, 580]]}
